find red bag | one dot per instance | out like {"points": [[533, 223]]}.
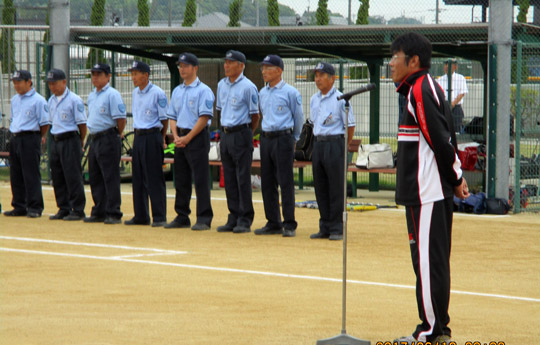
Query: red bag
{"points": [[468, 157]]}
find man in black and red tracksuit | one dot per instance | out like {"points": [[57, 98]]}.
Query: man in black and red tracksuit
{"points": [[428, 175]]}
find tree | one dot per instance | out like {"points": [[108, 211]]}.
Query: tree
{"points": [[322, 13], [273, 13], [190, 14], [46, 39], [363, 13], [235, 13], [144, 13], [97, 16], [7, 48], [523, 9]]}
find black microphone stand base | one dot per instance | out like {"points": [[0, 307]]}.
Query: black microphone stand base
{"points": [[343, 339]]}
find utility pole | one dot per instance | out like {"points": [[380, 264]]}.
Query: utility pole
{"points": [[350, 13], [436, 11]]}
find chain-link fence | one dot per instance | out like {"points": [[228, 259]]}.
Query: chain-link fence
{"points": [[351, 52]]}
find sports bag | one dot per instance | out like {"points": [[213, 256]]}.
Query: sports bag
{"points": [[304, 145], [373, 156]]}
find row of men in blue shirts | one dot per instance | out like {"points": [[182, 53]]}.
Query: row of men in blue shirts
{"points": [[189, 113]]}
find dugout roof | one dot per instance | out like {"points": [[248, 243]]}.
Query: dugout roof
{"points": [[358, 42]]}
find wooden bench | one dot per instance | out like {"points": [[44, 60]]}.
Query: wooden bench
{"points": [[300, 165]]}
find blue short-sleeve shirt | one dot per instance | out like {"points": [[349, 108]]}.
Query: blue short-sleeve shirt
{"points": [[149, 107], [189, 102], [281, 108], [104, 108], [328, 114], [237, 101], [28, 112], [66, 112]]}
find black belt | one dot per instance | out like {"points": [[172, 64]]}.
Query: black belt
{"points": [[23, 133], [273, 134], [64, 136], [236, 128], [147, 131], [183, 131], [329, 137], [94, 136]]}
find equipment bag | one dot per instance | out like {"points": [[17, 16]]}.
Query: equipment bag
{"points": [[304, 145], [373, 156], [497, 206]]}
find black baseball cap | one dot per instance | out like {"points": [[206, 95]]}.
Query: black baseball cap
{"points": [[454, 61], [235, 55], [273, 60], [326, 68], [21, 75], [188, 58], [101, 67], [140, 66], [55, 75]]}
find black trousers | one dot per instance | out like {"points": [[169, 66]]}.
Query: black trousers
{"points": [[104, 173], [148, 179], [65, 160], [328, 179], [430, 237], [191, 165], [458, 115], [24, 174], [236, 155], [277, 157]]}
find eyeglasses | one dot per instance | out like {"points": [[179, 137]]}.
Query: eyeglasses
{"points": [[395, 57]]}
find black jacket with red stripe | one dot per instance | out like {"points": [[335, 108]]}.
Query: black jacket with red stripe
{"points": [[428, 167]]}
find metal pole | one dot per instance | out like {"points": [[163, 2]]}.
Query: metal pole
{"points": [[500, 35], [170, 10], [350, 13], [436, 11], [59, 14], [517, 128]]}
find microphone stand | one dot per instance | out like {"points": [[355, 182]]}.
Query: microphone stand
{"points": [[344, 338]]}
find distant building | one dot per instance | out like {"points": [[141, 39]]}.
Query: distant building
{"points": [[308, 18], [216, 20]]}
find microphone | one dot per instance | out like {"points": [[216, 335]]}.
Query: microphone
{"points": [[363, 89]]}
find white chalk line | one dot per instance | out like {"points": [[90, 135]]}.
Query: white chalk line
{"points": [[98, 245], [262, 273]]}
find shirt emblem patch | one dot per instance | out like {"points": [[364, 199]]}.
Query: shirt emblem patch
{"points": [[162, 102], [299, 100], [46, 108], [64, 116], [209, 104], [122, 108], [80, 107], [254, 99]]}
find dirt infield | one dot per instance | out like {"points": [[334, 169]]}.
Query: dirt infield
{"points": [[76, 283]]}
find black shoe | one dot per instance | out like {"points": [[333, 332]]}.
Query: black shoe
{"points": [[319, 235], [33, 215], [289, 233], [200, 226], [74, 216], [268, 231], [134, 221], [61, 214], [225, 228], [177, 225], [93, 219], [15, 213], [112, 220], [240, 229], [335, 237], [159, 224]]}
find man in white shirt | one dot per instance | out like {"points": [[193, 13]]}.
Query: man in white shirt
{"points": [[459, 89]]}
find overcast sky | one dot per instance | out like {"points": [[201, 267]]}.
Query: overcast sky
{"points": [[423, 10]]}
